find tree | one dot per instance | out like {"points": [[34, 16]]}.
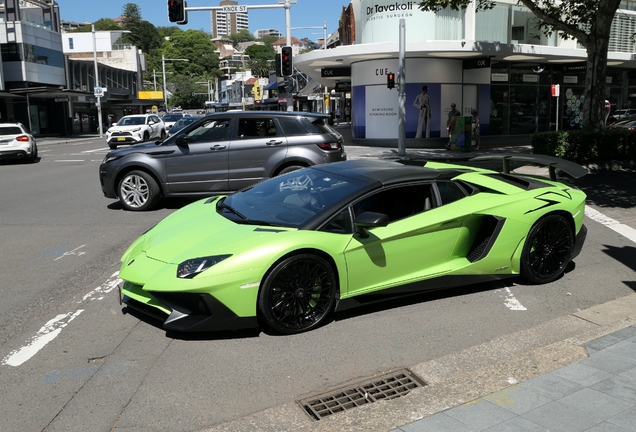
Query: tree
{"points": [[242, 36], [144, 36], [102, 24], [131, 15], [588, 21]]}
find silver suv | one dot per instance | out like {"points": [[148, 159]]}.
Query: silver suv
{"points": [[220, 153]]}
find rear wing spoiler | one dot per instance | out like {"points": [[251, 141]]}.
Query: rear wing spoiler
{"points": [[553, 163]]}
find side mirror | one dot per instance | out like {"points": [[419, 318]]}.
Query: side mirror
{"points": [[181, 140], [370, 220]]}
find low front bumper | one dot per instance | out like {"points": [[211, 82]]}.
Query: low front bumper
{"points": [[187, 312], [124, 140]]}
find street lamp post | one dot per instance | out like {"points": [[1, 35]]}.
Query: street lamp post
{"points": [[163, 67]]}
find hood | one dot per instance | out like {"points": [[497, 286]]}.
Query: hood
{"points": [[198, 231]]}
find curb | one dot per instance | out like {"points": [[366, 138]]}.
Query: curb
{"points": [[461, 377]]}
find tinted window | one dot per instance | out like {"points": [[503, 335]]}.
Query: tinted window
{"points": [[290, 199], [316, 125], [340, 223], [14, 130], [215, 129], [397, 203], [449, 192], [255, 127], [292, 126], [172, 117]]}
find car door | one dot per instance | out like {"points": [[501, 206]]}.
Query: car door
{"points": [[155, 124], [415, 245], [199, 162], [256, 149]]}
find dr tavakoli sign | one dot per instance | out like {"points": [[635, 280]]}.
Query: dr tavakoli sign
{"points": [[378, 21]]}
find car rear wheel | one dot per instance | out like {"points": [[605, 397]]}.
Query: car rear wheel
{"points": [[547, 250], [298, 294], [138, 191], [146, 137], [34, 154]]}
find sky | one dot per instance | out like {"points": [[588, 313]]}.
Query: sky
{"points": [[305, 13]]}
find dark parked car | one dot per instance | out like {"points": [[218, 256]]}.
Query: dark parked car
{"points": [[181, 123], [219, 153]]}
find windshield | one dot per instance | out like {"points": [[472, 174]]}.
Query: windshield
{"points": [[184, 122], [288, 200], [129, 121], [172, 117]]}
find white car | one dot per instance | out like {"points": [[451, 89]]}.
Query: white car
{"points": [[16, 142], [134, 129]]}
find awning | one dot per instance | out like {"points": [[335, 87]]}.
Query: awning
{"points": [[48, 92], [10, 95], [271, 86]]}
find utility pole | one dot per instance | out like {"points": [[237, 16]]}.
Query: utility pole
{"points": [[402, 92], [99, 99]]}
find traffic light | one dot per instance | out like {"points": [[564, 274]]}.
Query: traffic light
{"points": [[177, 12], [326, 97], [390, 80], [286, 66], [277, 61]]}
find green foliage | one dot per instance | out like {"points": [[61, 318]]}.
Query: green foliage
{"points": [[197, 48], [268, 40], [260, 52], [586, 147], [144, 36], [242, 36], [185, 92]]}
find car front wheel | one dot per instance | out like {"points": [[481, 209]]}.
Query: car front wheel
{"points": [[298, 294], [547, 250], [138, 191]]}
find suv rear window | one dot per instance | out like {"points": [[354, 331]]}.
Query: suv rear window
{"points": [[316, 125], [292, 126]]}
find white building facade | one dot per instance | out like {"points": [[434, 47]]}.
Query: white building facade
{"points": [[495, 61]]}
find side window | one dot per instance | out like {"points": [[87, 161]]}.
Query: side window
{"points": [[397, 203], [216, 129], [449, 192], [292, 126], [256, 127], [340, 223]]}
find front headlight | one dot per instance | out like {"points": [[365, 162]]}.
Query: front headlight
{"points": [[136, 129], [110, 158], [192, 267]]}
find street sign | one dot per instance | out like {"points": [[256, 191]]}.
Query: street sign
{"points": [[98, 91], [555, 90], [234, 9]]}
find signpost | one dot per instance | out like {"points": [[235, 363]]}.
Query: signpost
{"points": [[556, 88]]}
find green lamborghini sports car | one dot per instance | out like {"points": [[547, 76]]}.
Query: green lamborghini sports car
{"points": [[287, 252]]}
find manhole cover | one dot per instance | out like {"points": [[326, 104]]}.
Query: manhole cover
{"points": [[389, 386]]}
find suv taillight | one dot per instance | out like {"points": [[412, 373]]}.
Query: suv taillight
{"points": [[329, 146], [22, 138]]}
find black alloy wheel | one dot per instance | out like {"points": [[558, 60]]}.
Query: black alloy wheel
{"points": [[547, 250], [298, 294]]}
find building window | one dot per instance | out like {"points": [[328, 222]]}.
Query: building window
{"points": [[70, 43]]}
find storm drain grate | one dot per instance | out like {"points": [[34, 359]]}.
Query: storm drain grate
{"points": [[385, 387]]}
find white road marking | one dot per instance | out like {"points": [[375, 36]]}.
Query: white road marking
{"points": [[73, 252], [624, 230], [69, 160], [45, 335], [510, 301], [54, 327]]}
